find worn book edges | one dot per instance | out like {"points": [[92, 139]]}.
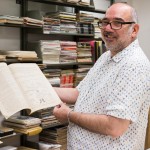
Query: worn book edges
{"points": [[24, 86]]}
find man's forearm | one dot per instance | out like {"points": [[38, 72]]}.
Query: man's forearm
{"points": [[67, 95], [101, 124]]}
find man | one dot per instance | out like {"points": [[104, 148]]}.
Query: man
{"points": [[112, 101]]}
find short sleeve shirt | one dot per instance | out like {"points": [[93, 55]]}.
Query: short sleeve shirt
{"points": [[119, 87]]}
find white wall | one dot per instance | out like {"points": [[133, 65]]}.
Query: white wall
{"points": [[9, 37], [143, 10]]}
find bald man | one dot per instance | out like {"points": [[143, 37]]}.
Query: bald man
{"points": [[112, 101]]}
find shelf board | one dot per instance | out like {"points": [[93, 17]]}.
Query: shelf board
{"points": [[19, 26], [40, 31], [68, 64], [73, 34], [90, 8], [12, 60], [10, 136]]}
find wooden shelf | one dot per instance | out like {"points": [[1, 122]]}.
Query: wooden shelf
{"points": [[90, 8]]}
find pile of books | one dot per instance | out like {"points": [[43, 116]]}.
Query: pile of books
{"points": [[68, 52], [62, 22], [21, 56], [47, 118], [55, 135], [97, 31], [53, 76], [32, 22], [80, 73], [67, 78], [47, 50], [8, 19], [24, 124], [85, 17], [51, 25], [84, 52]]}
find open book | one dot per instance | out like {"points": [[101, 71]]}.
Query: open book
{"points": [[24, 86]]}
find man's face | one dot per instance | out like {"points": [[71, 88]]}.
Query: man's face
{"points": [[117, 40]]}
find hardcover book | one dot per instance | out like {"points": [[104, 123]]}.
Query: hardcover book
{"points": [[24, 86]]}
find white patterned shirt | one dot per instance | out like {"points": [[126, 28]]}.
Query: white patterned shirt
{"points": [[120, 87]]}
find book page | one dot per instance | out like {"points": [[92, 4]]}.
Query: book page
{"points": [[35, 86], [11, 98]]}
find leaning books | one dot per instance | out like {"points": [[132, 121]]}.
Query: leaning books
{"points": [[24, 86]]}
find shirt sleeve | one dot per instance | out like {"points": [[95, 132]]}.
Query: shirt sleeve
{"points": [[129, 91]]}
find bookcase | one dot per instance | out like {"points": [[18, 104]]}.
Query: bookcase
{"points": [[28, 33]]}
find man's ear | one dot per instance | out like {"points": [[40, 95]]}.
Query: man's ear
{"points": [[135, 30]]}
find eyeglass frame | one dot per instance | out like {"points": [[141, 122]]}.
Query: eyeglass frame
{"points": [[109, 23]]}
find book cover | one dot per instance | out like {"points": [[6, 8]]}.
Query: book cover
{"points": [[24, 86]]}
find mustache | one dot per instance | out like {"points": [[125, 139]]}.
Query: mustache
{"points": [[106, 33]]}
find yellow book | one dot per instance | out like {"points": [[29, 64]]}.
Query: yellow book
{"points": [[30, 131]]}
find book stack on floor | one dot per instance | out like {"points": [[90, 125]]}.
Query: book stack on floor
{"points": [[55, 135], [24, 124]]}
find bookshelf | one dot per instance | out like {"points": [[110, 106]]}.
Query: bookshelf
{"points": [[25, 30]]}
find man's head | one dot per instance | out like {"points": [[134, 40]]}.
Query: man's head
{"points": [[119, 27]]}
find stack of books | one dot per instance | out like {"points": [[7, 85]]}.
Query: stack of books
{"points": [[67, 78], [85, 21], [84, 52], [47, 50], [63, 22], [24, 124], [51, 25], [47, 118], [85, 17], [55, 135], [68, 52], [32, 22], [21, 56], [8, 19], [80, 73], [53, 76], [97, 31]]}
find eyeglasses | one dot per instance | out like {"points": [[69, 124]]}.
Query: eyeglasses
{"points": [[116, 25]]}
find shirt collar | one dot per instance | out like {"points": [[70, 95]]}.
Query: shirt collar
{"points": [[126, 51]]}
